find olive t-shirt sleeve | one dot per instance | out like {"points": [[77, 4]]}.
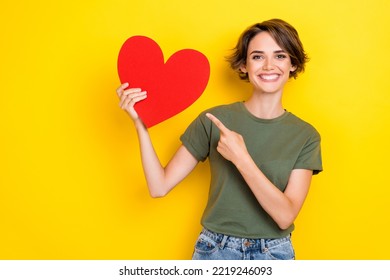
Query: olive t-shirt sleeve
{"points": [[310, 156], [196, 138]]}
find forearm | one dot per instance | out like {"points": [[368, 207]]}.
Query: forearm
{"points": [[155, 174], [272, 200], [153, 170]]}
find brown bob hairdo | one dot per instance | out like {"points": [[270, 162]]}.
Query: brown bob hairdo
{"points": [[285, 36]]}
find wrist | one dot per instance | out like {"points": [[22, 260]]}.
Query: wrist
{"points": [[243, 161], [139, 125]]}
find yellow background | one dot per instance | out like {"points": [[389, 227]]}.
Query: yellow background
{"points": [[71, 183]]}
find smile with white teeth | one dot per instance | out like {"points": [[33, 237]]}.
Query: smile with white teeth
{"points": [[269, 77]]}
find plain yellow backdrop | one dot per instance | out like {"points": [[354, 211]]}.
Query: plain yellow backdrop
{"points": [[71, 182]]}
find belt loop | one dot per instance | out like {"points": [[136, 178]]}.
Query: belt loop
{"points": [[262, 245], [223, 242]]}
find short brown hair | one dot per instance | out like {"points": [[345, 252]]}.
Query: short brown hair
{"points": [[285, 36]]}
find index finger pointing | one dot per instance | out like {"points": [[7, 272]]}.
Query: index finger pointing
{"points": [[217, 122]]}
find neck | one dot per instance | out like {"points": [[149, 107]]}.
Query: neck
{"points": [[265, 106]]}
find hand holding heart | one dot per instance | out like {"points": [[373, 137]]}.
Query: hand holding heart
{"points": [[128, 98], [231, 145]]}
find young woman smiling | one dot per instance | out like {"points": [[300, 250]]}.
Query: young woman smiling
{"points": [[262, 157]]}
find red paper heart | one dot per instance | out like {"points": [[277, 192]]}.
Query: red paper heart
{"points": [[171, 87]]}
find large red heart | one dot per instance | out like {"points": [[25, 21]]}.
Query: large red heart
{"points": [[172, 86]]}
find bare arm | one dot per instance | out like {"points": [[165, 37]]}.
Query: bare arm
{"points": [[283, 207], [160, 180]]}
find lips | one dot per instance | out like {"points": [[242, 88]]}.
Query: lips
{"points": [[269, 77]]}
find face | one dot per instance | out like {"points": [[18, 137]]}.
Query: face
{"points": [[267, 65]]}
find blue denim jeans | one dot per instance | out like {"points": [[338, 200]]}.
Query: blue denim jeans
{"points": [[216, 246]]}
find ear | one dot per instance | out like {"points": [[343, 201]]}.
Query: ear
{"points": [[293, 68], [243, 68]]}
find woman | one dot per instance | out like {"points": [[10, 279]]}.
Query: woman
{"points": [[262, 157]]}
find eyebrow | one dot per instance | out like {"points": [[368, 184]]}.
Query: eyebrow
{"points": [[278, 51]]}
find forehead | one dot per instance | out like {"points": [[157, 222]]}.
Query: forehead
{"points": [[263, 41]]}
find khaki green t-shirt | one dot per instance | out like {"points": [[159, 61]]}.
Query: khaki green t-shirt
{"points": [[276, 145]]}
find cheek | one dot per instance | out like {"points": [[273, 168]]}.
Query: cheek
{"points": [[287, 68]]}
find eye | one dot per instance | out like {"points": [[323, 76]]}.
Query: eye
{"points": [[257, 57], [281, 56]]}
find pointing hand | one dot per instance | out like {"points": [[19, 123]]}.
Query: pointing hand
{"points": [[231, 145]]}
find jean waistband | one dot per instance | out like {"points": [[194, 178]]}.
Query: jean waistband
{"points": [[238, 242]]}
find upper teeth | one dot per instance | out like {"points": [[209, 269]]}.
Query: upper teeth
{"points": [[269, 77]]}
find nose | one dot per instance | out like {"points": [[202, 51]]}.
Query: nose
{"points": [[268, 64]]}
